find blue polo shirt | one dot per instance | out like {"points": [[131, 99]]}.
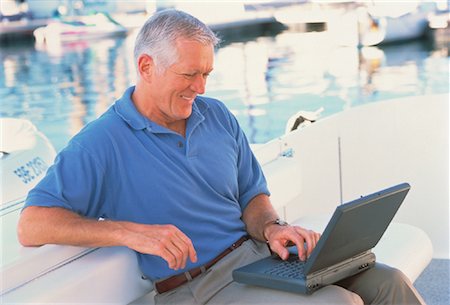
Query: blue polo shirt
{"points": [[123, 166]]}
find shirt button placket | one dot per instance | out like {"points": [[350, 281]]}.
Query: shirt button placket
{"points": [[181, 145]]}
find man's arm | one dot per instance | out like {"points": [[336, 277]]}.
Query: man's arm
{"points": [[53, 225], [258, 217]]}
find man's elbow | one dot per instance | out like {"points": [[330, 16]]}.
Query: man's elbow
{"points": [[23, 238], [25, 231]]}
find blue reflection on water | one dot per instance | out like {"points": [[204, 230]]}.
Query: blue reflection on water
{"points": [[263, 80]]}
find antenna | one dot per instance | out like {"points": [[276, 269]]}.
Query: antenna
{"points": [[341, 191]]}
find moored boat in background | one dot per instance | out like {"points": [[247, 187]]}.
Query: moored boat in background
{"points": [[77, 28]]}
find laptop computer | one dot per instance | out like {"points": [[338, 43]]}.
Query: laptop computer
{"points": [[344, 249]]}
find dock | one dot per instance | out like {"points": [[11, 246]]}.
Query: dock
{"points": [[24, 27]]}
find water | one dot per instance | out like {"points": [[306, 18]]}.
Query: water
{"points": [[263, 79]]}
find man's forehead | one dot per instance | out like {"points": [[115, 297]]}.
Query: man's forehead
{"points": [[194, 55]]}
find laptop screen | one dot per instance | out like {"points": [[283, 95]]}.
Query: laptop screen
{"points": [[371, 216]]}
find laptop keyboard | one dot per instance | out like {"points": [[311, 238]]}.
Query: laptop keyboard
{"points": [[291, 268]]}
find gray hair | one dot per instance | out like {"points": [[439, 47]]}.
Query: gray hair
{"points": [[158, 35]]}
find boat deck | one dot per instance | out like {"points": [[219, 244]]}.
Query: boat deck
{"points": [[434, 283]]}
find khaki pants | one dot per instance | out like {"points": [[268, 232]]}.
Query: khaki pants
{"points": [[379, 285]]}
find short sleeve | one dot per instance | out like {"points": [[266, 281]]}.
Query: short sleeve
{"points": [[73, 182], [251, 178]]}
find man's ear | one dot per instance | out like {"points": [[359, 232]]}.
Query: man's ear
{"points": [[145, 66]]}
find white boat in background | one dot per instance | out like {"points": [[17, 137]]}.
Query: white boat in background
{"points": [[78, 28], [439, 24], [309, 171], [389, 22], [361, 23]]}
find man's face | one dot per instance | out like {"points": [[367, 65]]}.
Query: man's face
{"points": [[174, 90]]}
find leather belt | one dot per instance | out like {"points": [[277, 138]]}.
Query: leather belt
{"points": [[179, 279]]}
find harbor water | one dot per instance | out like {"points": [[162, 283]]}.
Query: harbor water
{"points": [[263, 77]]}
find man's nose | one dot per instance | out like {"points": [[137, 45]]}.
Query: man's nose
{"points": [[198, 84]]}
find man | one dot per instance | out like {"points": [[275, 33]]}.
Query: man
{"points": [[173, 177]]}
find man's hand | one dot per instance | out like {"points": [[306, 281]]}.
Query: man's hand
{"points": [[258, 216], [166, 241], [279, 237]]}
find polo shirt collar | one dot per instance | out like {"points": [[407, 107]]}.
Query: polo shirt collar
{"points": [[126, 110]]}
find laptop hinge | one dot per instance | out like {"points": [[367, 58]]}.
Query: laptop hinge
{"points": [[341, 270]]}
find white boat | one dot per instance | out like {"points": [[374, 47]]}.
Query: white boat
{"points": [[439, 26], [78, 28], [395, 22], [25, 156], [309, 171], [362, 23]]}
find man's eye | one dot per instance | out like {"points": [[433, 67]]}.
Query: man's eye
{"points": [[193, 75]]}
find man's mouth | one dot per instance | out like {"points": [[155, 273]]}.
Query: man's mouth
{"points": [[188, 98]]}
